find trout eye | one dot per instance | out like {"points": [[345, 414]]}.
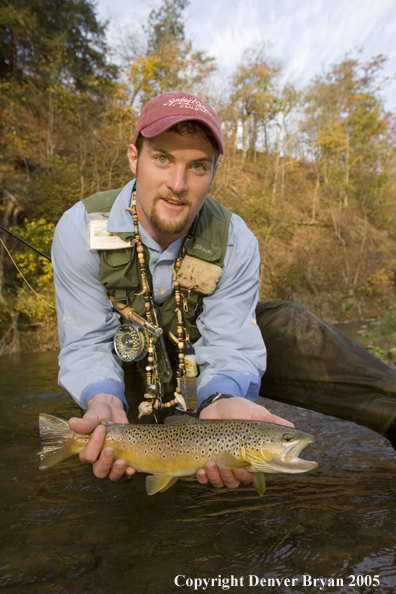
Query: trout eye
{"points": [[287, 437]]}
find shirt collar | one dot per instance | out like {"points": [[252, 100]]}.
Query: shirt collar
{"points": [[120, 220]]}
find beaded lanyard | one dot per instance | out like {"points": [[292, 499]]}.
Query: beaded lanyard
{"points": [[153, 393]]}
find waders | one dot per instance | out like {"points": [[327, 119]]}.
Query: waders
{"points": [[313, 365]]}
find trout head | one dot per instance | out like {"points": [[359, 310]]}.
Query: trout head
{"points": [[279, 450]]}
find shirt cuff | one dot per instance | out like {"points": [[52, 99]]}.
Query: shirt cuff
{"points": [[236, 383], [109, 386]]}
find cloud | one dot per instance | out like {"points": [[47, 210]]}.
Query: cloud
{"points": [[307, 35]]}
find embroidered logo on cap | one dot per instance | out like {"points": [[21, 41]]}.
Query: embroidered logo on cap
{"points": [[188, 103]]}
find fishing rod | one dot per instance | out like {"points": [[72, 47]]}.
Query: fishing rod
{"points": [[25, 242]]}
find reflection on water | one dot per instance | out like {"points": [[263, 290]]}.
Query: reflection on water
{"points": [[66, 532]]}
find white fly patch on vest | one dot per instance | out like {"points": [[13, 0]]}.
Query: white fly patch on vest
{"points": [[198, 275]]}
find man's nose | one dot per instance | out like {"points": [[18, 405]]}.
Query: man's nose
{"points": [[177, 181]]}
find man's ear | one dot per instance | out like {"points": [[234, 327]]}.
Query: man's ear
{"points": [[217, 164], [132, 158]]}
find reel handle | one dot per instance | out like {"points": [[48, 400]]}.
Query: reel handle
{"points": [[130, 314]]}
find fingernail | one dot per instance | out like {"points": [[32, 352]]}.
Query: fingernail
{"points": [[109, 453], [99, 432]]}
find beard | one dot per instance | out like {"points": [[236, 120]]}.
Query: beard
{"points": [[164, 226], [168, 227]]}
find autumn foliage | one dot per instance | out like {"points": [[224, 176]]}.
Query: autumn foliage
{"points": [[310, 170]]}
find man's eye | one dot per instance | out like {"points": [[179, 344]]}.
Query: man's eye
{"points": [[198, 167], [162, 159]]}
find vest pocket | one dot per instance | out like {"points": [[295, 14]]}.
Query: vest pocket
{"points": [[117, 258]]}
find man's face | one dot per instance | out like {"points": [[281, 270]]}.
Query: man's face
{"points": [[173, 177]]}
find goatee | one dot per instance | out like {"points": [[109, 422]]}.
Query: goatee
{"points": [[166, 226]]}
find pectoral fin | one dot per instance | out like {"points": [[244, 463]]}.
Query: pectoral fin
{"points": [[225, 460], [159, 482], [259, 462], [259, 483]]}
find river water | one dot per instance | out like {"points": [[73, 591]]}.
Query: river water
{"points": [[66, 532]]}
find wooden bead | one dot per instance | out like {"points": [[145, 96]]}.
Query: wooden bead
{"points": [[181, 345]]}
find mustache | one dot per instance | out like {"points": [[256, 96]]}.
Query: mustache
{"points": [[171, 196]]}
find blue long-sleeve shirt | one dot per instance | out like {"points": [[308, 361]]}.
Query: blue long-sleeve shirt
{"points": [[230, 353]]}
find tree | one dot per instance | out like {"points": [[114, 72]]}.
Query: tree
{"points": [[346, 125], [51, 39], [253, 96], [347, 128], [169, 62]]}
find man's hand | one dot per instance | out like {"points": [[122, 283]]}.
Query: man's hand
{"points": [[233, 408], [100, 407]]}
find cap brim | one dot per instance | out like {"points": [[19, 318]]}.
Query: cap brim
{"points": [[166, 123]]}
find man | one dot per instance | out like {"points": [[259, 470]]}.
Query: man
{"points": [[176, 231]]}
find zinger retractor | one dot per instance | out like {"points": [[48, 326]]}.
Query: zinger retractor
{"points": [[131, 342]]}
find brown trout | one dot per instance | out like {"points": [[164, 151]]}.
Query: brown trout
{"points": [[178, 448]]}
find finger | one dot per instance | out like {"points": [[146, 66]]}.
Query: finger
{"points": [[213, 475], [117, 470], [101, 467], [228, 478], [243, 476], [92, 450], [91, 419], [85, 425], [119, 416], [270, 418], [202, 476]]}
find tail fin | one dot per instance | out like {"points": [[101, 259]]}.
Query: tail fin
{"points": [[56, 438]]}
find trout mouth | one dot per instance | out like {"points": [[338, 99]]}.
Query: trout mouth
{"points": [[291, 460]]}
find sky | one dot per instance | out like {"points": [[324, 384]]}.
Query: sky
{"points": [[308, 36]]}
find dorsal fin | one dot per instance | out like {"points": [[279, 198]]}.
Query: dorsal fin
{"points": [[108, 423]]}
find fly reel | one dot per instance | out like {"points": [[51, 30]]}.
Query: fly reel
{"points": [[131, 342]]}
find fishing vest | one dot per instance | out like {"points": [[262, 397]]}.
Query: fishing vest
{"points": [[120, 273]]}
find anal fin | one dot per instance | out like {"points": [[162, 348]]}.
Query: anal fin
{"points": [[159, 482], [171, 482]]}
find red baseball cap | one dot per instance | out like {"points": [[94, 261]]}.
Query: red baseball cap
{"points": [[168, 109]]}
